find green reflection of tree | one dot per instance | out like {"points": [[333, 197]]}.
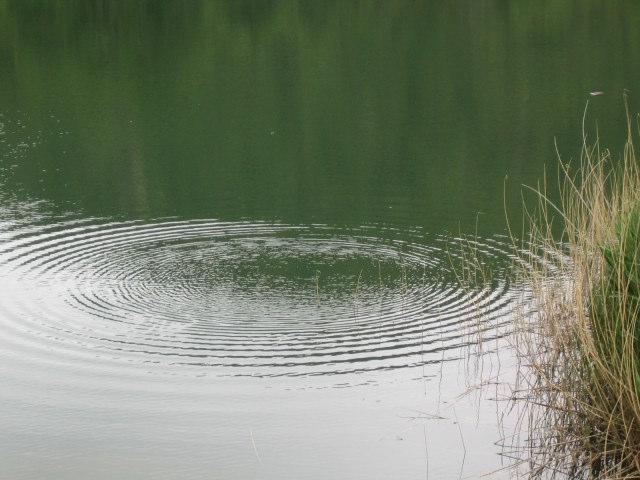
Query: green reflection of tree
{"points": [[307, 111]]}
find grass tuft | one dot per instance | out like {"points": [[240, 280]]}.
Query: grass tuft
{"points": [[579, 337]]}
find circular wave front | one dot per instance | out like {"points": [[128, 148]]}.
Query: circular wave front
{"points": [[244, 298]]}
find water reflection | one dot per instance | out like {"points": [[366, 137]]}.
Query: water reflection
{"points": [[249, 298], [279, 111], [240, 346]]}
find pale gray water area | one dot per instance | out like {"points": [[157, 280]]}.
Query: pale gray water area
{"points": [[206, 349]]}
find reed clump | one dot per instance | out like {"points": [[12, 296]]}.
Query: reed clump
{"points": [[579, 339]]}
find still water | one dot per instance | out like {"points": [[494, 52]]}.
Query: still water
{"points": [[230, 231]]}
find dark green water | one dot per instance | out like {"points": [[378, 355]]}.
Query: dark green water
{"points": [[226, 227], [332, 112]]}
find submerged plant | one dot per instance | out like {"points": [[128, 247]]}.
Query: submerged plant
{"points": [[580, 334]]}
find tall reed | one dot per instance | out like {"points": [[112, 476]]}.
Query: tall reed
{"points": [[580, 334]]}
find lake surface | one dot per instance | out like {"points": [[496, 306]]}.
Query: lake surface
{"points": [[230, 232]]}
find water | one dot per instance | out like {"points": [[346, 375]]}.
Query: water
{"points": [[230, 233]]}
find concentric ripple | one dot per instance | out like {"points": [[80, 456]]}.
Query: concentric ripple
{"points": [[243, 298]]}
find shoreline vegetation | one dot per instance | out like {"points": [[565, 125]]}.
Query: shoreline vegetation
{"points": [[578, 332]]}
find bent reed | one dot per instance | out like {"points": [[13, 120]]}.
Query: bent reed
{"points": [[579, 335]]}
